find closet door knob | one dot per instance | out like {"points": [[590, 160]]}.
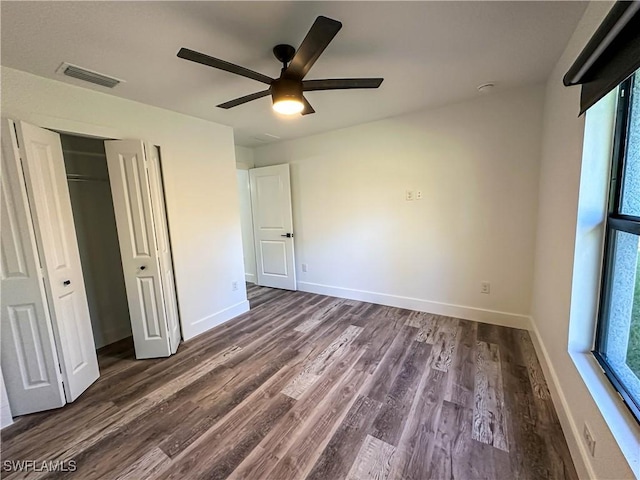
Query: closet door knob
{"points": [[66, 283], [142, 267]]}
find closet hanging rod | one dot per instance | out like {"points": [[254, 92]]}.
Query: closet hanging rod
{"points": [[73, 177]]}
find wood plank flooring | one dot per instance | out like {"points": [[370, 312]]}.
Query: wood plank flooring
{"points": [[308, 386]]}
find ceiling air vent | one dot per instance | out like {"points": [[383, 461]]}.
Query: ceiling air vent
{"points": [[88, 75]]}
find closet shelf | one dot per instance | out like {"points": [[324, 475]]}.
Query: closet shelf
{"points": [[73, 177]]}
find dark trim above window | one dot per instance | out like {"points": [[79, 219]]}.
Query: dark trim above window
{"points": [[611, 56]]}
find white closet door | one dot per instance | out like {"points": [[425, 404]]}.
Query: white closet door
{"points": [[273, 226], [164, 245], [48, 193], [129, 180], [29, 357]]}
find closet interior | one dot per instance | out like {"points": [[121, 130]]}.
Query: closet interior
{"points": [[85, 162]]}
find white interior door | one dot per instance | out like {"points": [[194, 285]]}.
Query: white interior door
{"points": [[130, 187], [273, 226], [29, 357], [164, 245], [48, 193]]}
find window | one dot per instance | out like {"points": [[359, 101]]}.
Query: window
{"points": [[618, 336]]}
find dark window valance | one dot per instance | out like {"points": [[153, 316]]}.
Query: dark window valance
{"points": [[612, 55]]}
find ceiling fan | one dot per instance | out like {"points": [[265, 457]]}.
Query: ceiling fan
{"points": [[286, 90]]}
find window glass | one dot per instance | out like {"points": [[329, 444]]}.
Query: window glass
{"points": [[630, 204], [622, 345]]}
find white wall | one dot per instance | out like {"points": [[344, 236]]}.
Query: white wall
{"points": [[246, 224], [557, 250], [477, 165], [244, 158], [199, 165]]}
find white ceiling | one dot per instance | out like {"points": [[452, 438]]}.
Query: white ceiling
{"points": [[429, 53]]}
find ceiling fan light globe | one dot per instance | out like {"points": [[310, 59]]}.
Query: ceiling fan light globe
{"points": [[288, 106], [287, 96]]}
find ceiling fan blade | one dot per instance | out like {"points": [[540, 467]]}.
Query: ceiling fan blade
{"points": [[307, 107], [340, 83], [245, 99], [222, 65], [320, 35]]}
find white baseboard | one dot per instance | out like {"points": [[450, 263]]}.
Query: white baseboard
{"points": [[571, 431], [200, 326], [494, 317], [250, 277]]}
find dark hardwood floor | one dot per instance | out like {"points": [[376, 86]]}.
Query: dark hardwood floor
{"points": [[307, 386]]}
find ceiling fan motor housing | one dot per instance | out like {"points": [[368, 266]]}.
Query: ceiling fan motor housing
{"points": [[286, 89]]}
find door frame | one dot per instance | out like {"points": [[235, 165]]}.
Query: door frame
{"points": [[291, 282], [81, 129], [245, 168]]}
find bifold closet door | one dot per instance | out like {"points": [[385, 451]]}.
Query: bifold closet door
{"points": [[29, 356], [130, 188], [48, 194], [164, 245]]}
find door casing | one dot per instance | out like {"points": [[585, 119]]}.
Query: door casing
{"points": [[65, 378]]}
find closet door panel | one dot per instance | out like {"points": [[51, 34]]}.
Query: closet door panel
{"points": [[29, 357], [46, 182], [131, 193], [164, 245], [149, 311], [132, 172]]}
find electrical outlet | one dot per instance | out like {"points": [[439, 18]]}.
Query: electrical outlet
{"points": [[418, 194], [485, 287], [589, 440], [409, 195], [234, 286], [304, 267]]}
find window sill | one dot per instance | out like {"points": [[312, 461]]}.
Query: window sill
{"points": [[624, 428]]}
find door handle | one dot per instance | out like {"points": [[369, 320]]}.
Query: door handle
{"points": [[288, 235], [66, 283], [142, 267]]}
